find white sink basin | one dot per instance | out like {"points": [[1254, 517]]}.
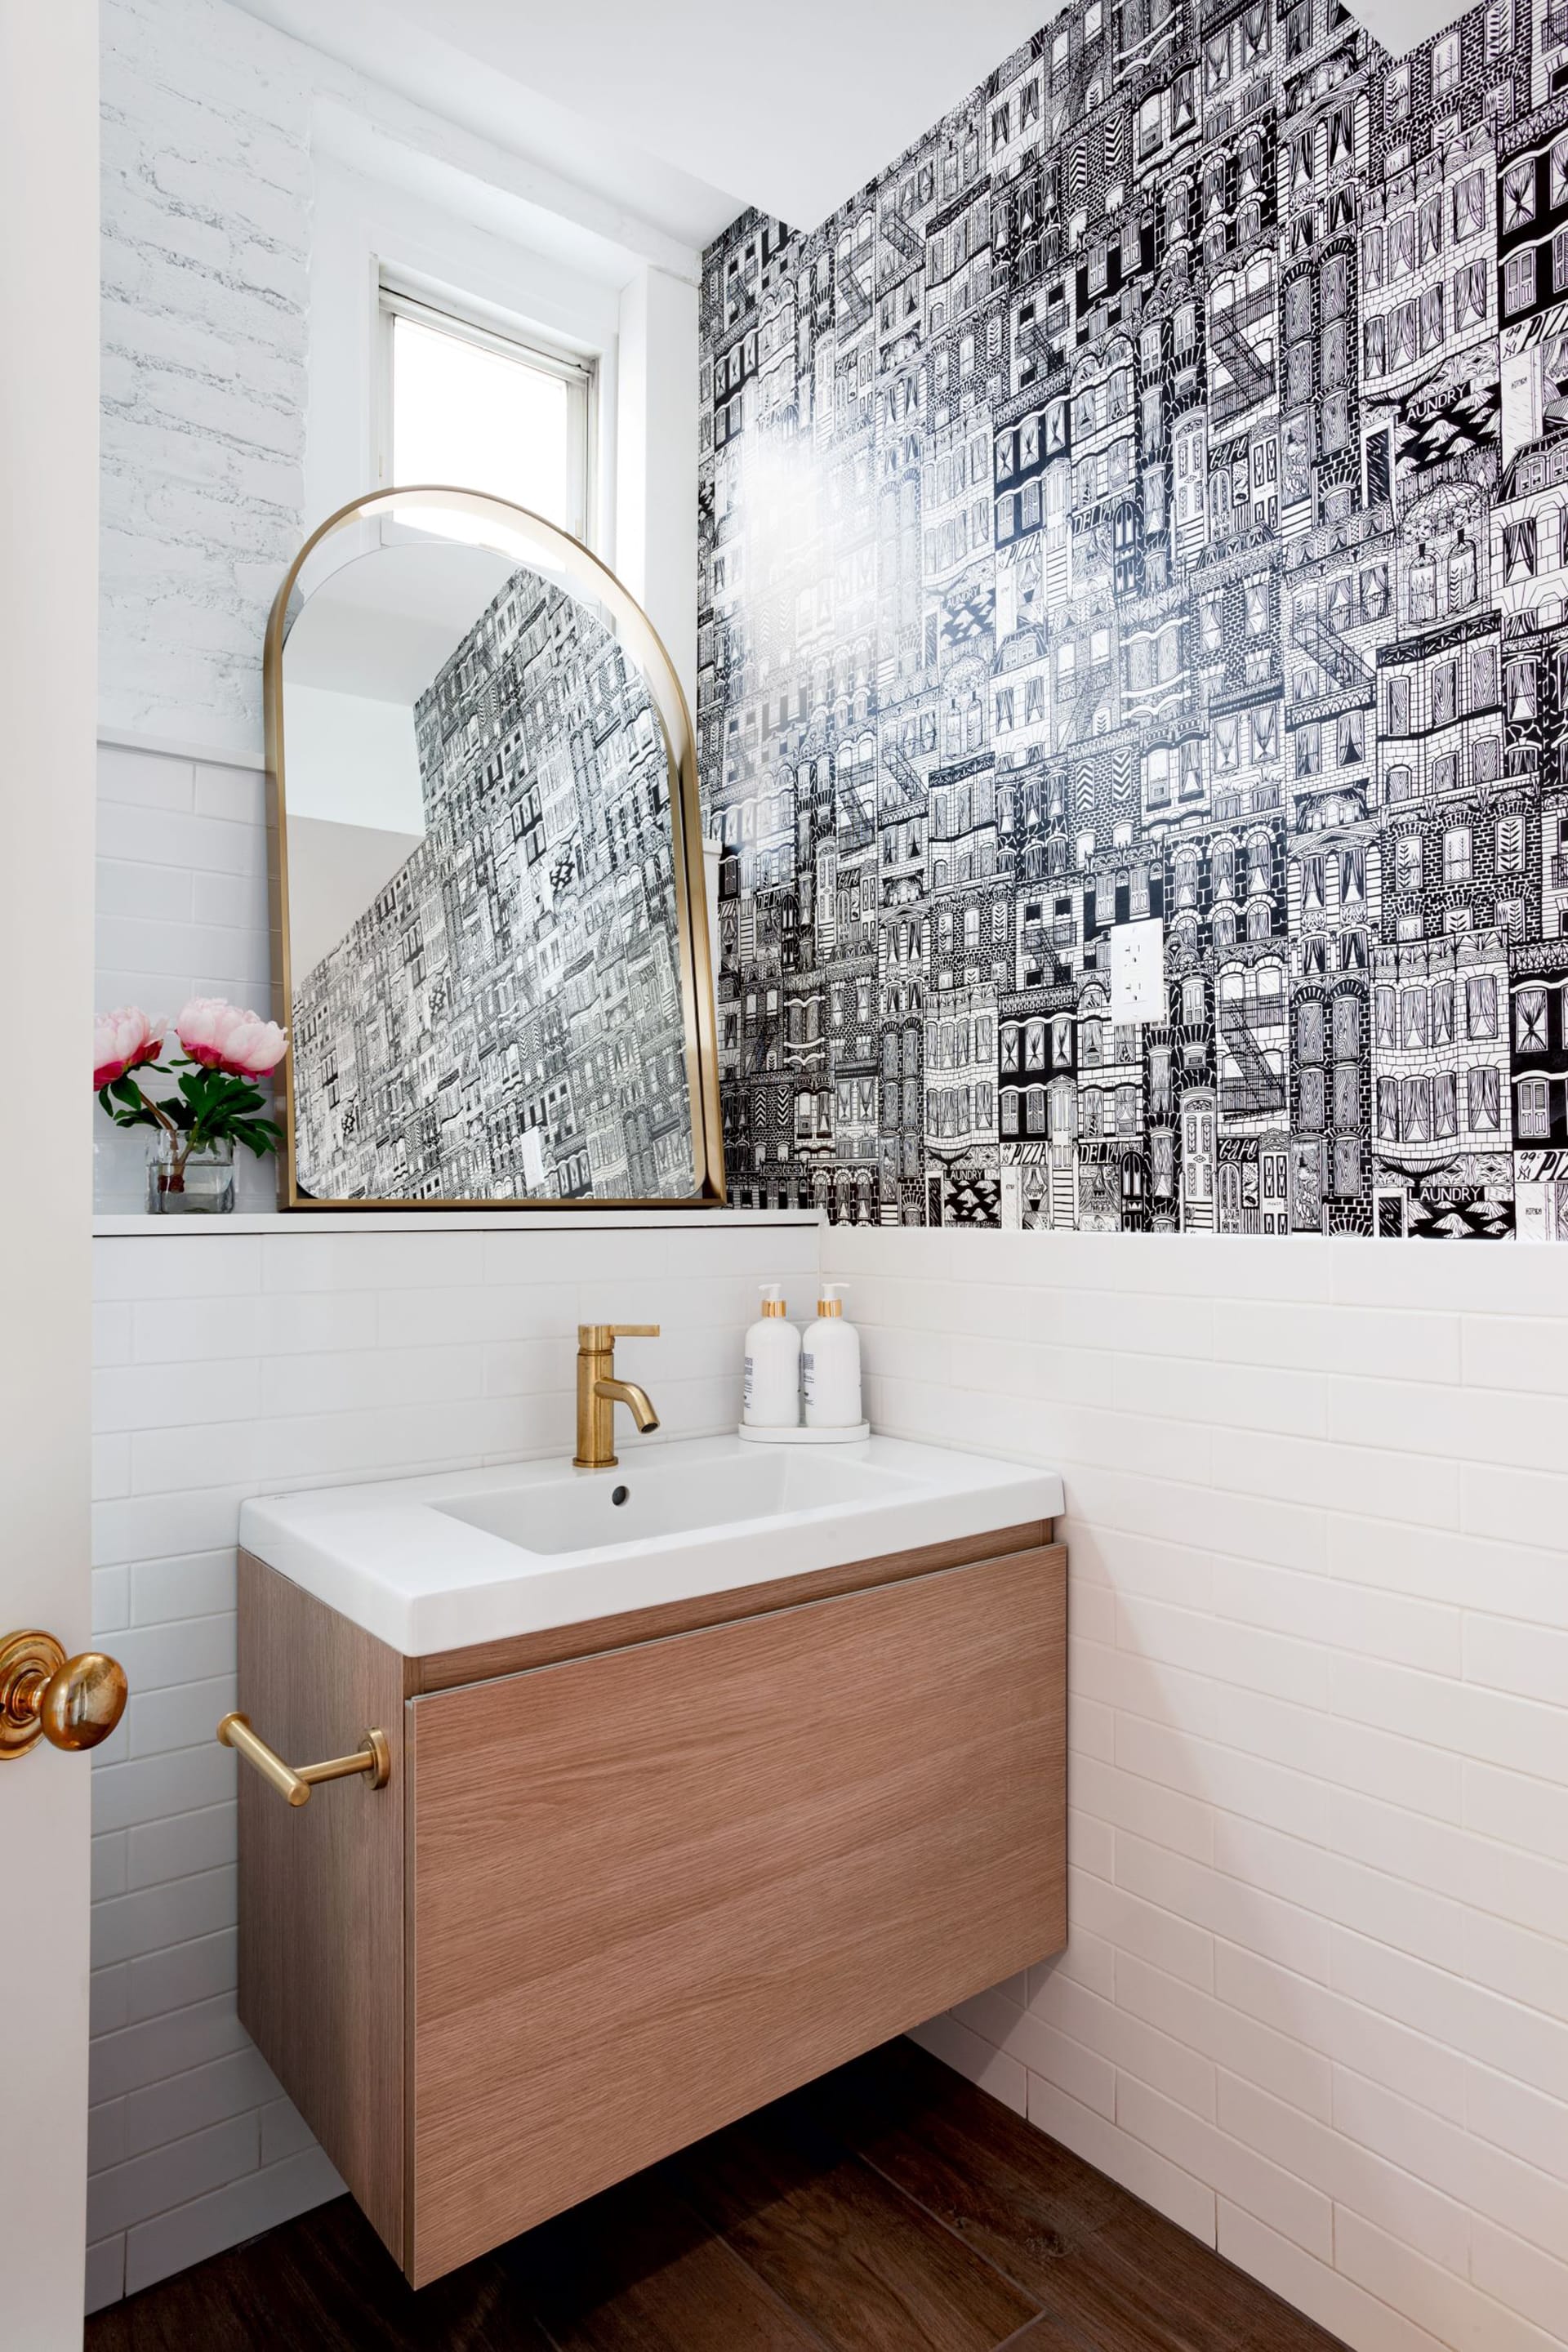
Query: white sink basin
{"points": [[574, 1511], [437, 1563]]}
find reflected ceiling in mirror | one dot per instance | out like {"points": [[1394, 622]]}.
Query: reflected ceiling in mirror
{"points": [[489, 871]]}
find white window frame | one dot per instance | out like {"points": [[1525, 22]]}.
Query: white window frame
{"points": [[476, 322]]}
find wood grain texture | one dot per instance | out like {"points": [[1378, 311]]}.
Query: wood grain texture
{"points": [[448, 1669], [656, 1887], [871, 2269], [1017, 2199], [320, 1886], [794, 2253], [637, 2270]]}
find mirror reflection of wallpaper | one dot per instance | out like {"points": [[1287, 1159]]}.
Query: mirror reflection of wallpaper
{"points": [[505, 1021], [1148, 503]]}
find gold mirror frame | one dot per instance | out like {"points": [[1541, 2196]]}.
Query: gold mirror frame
{"points": [[567, 562]]}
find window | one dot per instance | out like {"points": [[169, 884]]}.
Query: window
{"points": [[1519, 551], [1445, 66], [1471, 294], [1386, 1008], [1413, 1017], [1483, 1095], [1530, 1021], [1517, 195], [1470, 205], [1309, 1030], [466, 403], [1480, 1005], [1456, 853], [1415, 1109], [1347, 1027]]}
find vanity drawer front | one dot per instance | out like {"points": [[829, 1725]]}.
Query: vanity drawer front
{"points": [[654, 1888]]}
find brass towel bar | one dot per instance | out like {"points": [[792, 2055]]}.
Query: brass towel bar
{"points": [[373, 1756]]}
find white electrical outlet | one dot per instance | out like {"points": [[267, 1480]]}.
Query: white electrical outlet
{"points": [[1138, 972]]}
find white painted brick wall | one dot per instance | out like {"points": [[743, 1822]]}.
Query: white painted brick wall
{"points": [[207, 212], [1315, 2000], [230, 1364]]}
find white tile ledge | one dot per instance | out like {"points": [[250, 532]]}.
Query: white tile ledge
{"points": [[319, 1222]]}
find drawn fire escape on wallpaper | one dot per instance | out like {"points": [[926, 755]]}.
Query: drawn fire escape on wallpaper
{"points": [[1164, 463]]}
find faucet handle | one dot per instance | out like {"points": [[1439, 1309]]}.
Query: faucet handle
{"points": [[633, 1330]]}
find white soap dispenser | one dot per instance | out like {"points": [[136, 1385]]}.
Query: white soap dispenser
{"points": [[772, 1367], [830, 1365]]}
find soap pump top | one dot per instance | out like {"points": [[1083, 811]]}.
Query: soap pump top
{"points": [[774, 1307]]}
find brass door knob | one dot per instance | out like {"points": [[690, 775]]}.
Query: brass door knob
{"points": [[71, 1702]]}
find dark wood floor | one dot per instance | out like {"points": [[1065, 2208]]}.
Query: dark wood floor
{"points": [[889, 2208]]}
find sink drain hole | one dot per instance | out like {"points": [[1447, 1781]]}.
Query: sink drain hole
{"points": [[620, 1495]]}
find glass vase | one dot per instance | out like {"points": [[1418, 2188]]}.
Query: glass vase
{"points": [[184, 1181]]}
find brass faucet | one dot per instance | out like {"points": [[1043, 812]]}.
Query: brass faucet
{"points": [[599, 1392]]}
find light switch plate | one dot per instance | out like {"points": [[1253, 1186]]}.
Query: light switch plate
{"points": [[1138, 972]]}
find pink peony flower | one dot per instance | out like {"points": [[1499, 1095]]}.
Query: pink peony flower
{"points": [[123, 1040], [221, 1037]]}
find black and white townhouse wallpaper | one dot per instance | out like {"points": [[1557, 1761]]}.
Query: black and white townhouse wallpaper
{"points": [[1135, 535]]}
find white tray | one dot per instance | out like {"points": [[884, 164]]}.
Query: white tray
{"points": [[852, 1436]]}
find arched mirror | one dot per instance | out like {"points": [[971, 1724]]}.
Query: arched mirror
{"points": [[488, 873]]}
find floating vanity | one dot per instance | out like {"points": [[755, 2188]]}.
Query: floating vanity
{"points": [[694, 1776]]}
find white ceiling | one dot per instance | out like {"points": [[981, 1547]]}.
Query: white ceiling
{"points": [[686, 112]]}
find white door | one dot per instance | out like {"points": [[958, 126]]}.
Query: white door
{"points": [[48, 571]]}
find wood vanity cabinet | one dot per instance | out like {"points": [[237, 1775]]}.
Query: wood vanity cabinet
{"points": [[632, 1878]]}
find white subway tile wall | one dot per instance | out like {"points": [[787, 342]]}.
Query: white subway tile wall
{"points": [[1315, 2000], [182, 912], [228, 1364]]}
